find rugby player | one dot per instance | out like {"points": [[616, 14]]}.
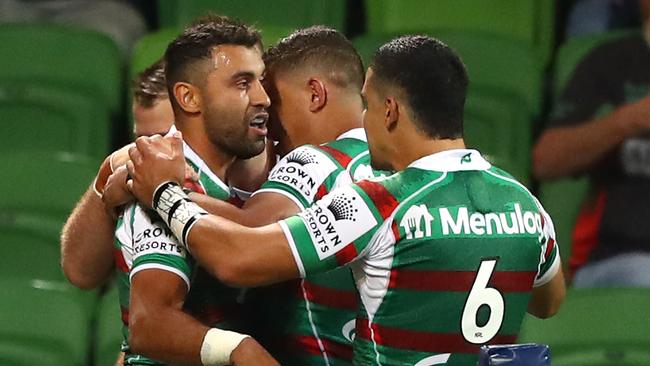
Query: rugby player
{"points": [[448, 253]]}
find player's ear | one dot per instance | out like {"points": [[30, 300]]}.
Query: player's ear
{"points": [[188, 97], [391, 113], [318, 95]]}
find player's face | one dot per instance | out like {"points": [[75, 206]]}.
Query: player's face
{"points": [[235, 102], [374, 123], [154, 120], [288, 122]]}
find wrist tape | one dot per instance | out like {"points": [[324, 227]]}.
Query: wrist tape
{"points": [[173, 206], [218, 345]]}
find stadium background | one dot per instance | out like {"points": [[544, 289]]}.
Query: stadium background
{"points": [[64, 104]]}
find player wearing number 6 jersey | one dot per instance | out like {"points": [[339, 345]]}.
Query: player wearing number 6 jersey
{"points": [[448, 253]]}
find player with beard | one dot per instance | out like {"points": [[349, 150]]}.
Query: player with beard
{"points": [[214, 71], [448, 253]]}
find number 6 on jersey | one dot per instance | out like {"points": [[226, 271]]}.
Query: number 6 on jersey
{"points": [[478, 296]]}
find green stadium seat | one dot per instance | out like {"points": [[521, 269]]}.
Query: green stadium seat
{"points": [[43, 184], [30, 252], [497, 124], [571, 53], [596, 327], [286, 13], [49, 320], [521, 73], [62, 56], [76, 119], [528, 21], [108, 336]]}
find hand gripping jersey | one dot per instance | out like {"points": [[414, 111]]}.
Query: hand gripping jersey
{"points": [[143, 241], [444, 255], [316, 316]]}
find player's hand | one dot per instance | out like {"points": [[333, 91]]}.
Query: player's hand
{"points": [[116, 193], [249, 352], [155, 160]]}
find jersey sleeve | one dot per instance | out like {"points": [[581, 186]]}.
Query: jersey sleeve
{"points": [[300, 174], [550, 259], [154, 246], [335, 231]]}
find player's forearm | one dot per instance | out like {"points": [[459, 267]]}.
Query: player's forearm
{"points": [[168, 335], [221, 208], [241, 256], [87, 242]]}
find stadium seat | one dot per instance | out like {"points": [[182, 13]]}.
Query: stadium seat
{"points": [[108, 334], [45, 117], [43, 184], [596, 327], [62, 56], [285, 13], [521, 73], [497, 124], [571, 53], [49, 320], [528, 21]]}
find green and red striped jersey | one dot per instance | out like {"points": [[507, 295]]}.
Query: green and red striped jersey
{"points": [[143, 241], [316, 316], [444, 254]]}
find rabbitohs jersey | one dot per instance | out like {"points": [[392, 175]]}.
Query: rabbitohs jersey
{"points": [[316, 317], [445, 255], [143, 241]]}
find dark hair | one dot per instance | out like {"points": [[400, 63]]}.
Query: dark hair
{"points": [[149, 86], [318, 47], [197, 41], [431, 77]]}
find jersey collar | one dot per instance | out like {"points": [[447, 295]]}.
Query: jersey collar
{"points": [[194, 158], [355, 133], [452, 161]]}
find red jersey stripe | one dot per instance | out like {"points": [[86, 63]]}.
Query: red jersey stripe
{"points": [[346, 255], [120, 262], [330, 297], [309, 345], [423, 341], [339, 156], [585, 232], [504, 281], [322, 191], [380, 196]]}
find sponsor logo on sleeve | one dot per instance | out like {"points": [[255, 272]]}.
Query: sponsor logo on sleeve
{"points": [[517, 222], [337, 220], [154, 238], [303, 170]]}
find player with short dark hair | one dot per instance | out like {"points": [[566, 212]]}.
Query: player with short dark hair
{"points": [[448, 253]]}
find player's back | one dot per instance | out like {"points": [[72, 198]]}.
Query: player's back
{"points": [[461, 251]]}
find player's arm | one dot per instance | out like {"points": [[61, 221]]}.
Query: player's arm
{"points": [[160, 278], [549, 288], [160, 329], [87, 236]]}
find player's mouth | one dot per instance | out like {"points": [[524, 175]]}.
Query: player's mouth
{"points": [[258, 123]]}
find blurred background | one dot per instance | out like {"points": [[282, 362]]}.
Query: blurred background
{"points": [[65, 102]]}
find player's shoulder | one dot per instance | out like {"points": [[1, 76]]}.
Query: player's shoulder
{"points": [[345, 150]]}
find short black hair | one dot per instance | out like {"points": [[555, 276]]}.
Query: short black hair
{"points": [[198, 40], [150, 85], [431, 77], [318, 47]]}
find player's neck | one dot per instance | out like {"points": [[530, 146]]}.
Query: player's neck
{"points": [[340, 120], [421, 147], [216, 160]]}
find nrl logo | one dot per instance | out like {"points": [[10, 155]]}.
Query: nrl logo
{"points": [[342, 208], [301, 158]]}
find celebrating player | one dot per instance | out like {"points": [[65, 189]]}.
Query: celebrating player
{"points": [[448, 253]]}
